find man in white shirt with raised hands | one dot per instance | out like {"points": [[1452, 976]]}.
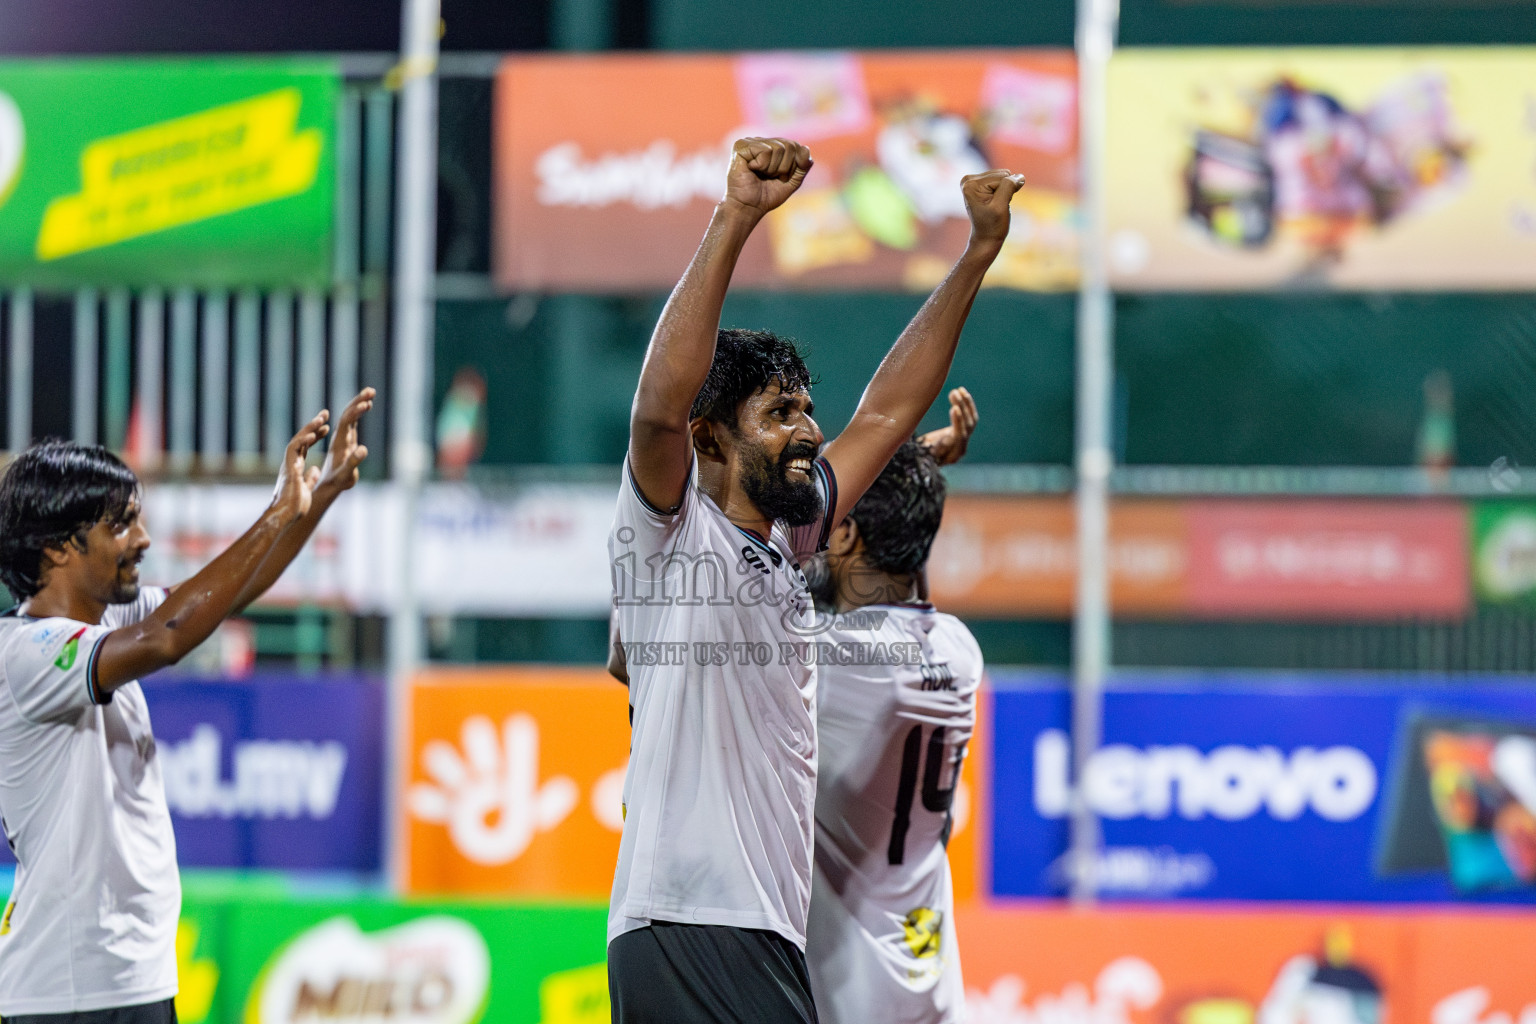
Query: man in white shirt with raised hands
{"points": [[89, 933], [727, 489]]}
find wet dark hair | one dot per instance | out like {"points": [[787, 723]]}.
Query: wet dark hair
{"points": [[745, 363], [52, 494], [900, 513]]}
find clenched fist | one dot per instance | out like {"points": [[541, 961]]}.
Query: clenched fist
{"points": [[986, 201], [765, 172]]}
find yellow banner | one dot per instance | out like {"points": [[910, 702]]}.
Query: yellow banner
{"points": [[1338, 168], [183, 170]]}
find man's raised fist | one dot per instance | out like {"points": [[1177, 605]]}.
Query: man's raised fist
{"points": [[765, 172], [986, 200]]}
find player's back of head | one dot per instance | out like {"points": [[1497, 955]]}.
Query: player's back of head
{"points": [[53, 492], [745, 363], [899, 515]]}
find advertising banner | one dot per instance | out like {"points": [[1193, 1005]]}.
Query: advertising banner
{"points": [[1504, 552], [1340, 559], [277, 959], [533, 551], [1274, 788], [281, 960], [516, 785], [273, 771], [1212, 559], [1240, 967], [1016, 556], [516, 782], [543, 550], [192, 523], [209, 172], [1333, 167], [607, 168]]}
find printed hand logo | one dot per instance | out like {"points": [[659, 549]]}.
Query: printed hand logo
{"points": [[490, 797]]}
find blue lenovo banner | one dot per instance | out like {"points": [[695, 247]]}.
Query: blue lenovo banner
{"points": [[1274, 787], [273, 771]]}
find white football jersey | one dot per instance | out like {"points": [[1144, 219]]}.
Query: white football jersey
{"points": [[720, 794], [91, 923], [894, 731]]}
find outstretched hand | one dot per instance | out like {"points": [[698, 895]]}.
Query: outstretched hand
{"points": [[765, 172], [345, 454], [987, 197], [295, 483], [948, 444]]}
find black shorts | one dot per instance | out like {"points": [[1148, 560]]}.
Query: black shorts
{"points": [[163, 1012], [709, 974]]}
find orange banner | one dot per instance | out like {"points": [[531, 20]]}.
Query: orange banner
{"points": [[1018, 556], [516, 780], [1133, 966], [607, 168]]}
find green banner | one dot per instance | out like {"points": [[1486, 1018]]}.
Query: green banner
{"points": [[213, 172], [264, 960], [1504, 552]]}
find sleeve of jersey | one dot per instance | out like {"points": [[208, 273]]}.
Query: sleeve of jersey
{"points": [[811, 538], [51, 669], [643, 529]]}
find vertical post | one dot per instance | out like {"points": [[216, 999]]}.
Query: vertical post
{"points": [[279, 376], [215, 430], [374, 359], [119, 360], [87, 369], [311, 383], [349, 188], [247, 385], [19, 427], [183, 396], [151, 396], [415, 247], [1096, 26]]}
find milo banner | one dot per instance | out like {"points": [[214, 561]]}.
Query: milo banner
{"points": [[278, 960], [184, 172], [273, 959]]}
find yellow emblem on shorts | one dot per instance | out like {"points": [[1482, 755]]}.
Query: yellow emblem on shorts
{"points": [[921, 929], [5, 922]]}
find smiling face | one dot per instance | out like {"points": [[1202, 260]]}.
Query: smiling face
{"points": [[106, 569], [773, 444]]}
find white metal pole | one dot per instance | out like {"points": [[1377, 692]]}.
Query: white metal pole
{"points": [[87, 365], [19, 428], [415, 248], [1096, 24]]}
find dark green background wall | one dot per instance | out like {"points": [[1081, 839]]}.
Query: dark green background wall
{"points": [[1202, 379]]}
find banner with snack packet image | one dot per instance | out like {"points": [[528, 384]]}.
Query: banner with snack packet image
{"points": [[1333, 168], [607, 168]]}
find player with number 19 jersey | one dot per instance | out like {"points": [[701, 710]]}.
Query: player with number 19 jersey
{"points": [[893, 737]]}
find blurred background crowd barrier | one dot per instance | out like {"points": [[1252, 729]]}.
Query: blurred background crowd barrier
{"points": [[1316, 786]]}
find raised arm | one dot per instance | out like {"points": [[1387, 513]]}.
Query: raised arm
{"points": [[763, 173], [913, 371], [197, 606], [338, 474]]}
